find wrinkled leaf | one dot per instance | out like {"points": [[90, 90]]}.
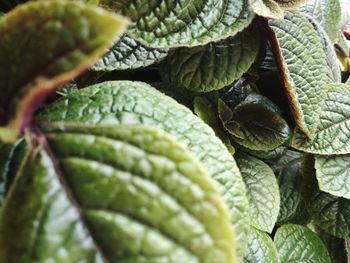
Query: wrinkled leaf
{"points": [[263, 193], [332, 133], [297, 47], [216, 65], [327, 13], [267, 8], [161, 24], [260, 248], [299, 244], [337, 247], [129, 54], [289, 4], [127, 194], [57, 41], [126, 102]]}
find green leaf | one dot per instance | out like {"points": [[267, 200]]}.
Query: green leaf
{"points": [[263, 193], [327, 13], [333, 174], [289, 4], [11, 156], [258, 121], [127, 193], [129, 54], [289, 172], [297, 47], [267, 8], [299, 244], [337, 247], [161, 24], [332, 133], [57, 42], [213, 66], [260, 248], [125, 102]]}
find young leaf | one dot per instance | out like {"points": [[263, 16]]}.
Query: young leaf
{"points": [[160, 24], [129, 54], [302, 65], [124, 193], [57, 41], [299, 244], [333, 174], [267, 8], [327, 13], [216, 65], [263, 193], [126, 102], [331, 136], [260, 248], [289, 4], [258, 121]]}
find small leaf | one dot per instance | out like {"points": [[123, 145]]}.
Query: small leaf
{"points": [[161, 24], [263, 193], [267, 8], [332, 133], [299, 244], [215, 65], [297, 46], [259, 122], [327, 13], [124, 193], [57, 42], [226, 114], [129, 54], [126, 102], [260, 248], [333, 174]]}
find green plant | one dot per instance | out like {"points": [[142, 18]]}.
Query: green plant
{"points": [[210, 131]]}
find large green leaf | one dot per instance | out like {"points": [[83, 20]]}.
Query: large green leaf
{"points": [[260, 248], [216, 65], [337, 247], [255, 123], [134, 103], [327, 13], [162, 23], [129, 54], [299, 244], [263, 193], [289, 172], [332, 133], [57, 41], [333, 174], [297, 47], [124, 193]]}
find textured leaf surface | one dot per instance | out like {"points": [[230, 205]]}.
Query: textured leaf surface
{"points": [[183, 23], [327, 13], [332, 134], [299, 244], [289, 4], [263, 193], [267, 8], [58, 41], [132, 194], [289, 172], [297, 46], [260, 248], [128, 102], [129, 54], [257, 124], [337, 247], [216, 65], [333, 174]]}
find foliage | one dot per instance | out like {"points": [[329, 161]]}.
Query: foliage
{"points": [[174, 131]]}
